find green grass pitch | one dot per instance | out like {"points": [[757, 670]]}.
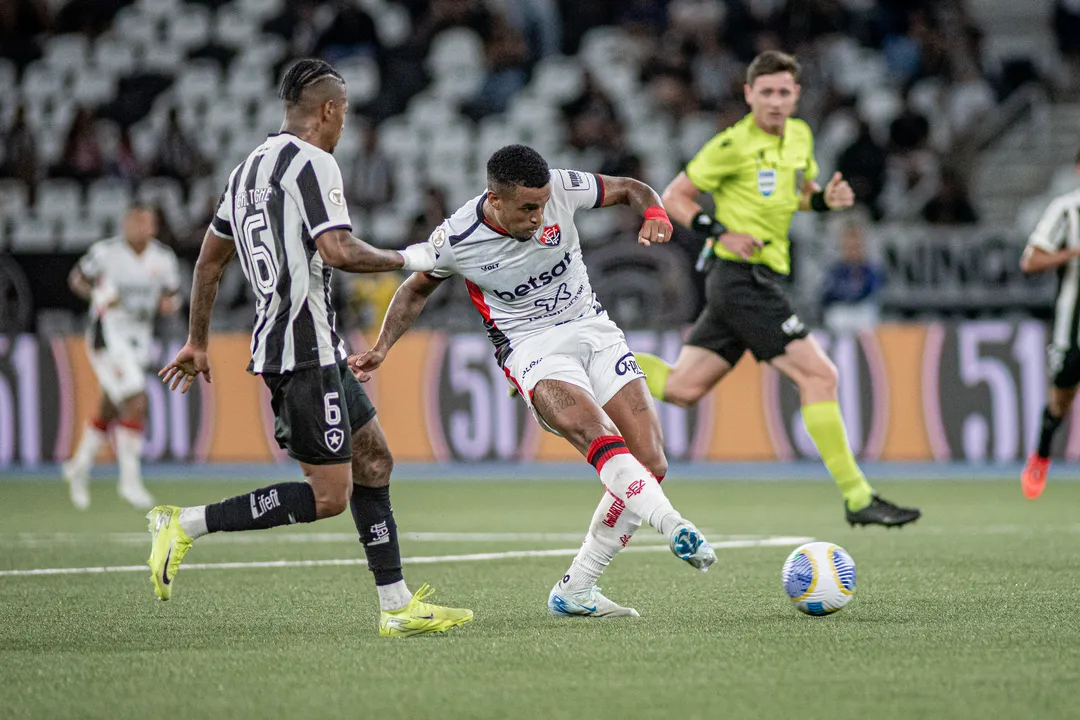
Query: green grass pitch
{"points": [[971, 613]]}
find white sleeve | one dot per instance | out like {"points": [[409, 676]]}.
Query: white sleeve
{"points": [[1049, 234], [320, 197], [577, 189], [90, 264], [445, 264]]}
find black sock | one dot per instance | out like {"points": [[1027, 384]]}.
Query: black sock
{"points": [[281, 504], [1050, 424], [374, 520]]}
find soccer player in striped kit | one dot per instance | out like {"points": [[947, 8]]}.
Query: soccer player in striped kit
{"points": [[1055, 244], [283, 212]]}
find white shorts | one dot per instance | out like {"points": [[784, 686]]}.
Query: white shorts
{"points": [[120, 368], [590, 353]]}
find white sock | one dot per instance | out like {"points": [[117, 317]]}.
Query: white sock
{"points": [[626, 478], [393, 596], [89, 444], [129, 456], [602, 543], [193, 521]]}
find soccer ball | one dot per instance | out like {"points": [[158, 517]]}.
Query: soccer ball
{"points": [[819, 577]]}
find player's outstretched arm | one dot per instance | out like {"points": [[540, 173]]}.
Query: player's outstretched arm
{"points": [[408, 302], [339, 249], [642, 199], [191, 361], [1036, 260]]}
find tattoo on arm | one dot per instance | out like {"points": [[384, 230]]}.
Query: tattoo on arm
{"points": [[214, 256], [640, 408]]}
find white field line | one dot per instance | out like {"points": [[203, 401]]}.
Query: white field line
{"points": [[30, 539], [420, 560]]}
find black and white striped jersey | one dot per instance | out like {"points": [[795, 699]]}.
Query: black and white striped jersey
{"points": [[283, 196], [1059, 228]]}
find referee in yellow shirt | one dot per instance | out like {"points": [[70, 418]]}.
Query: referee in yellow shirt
{"points": [[760, 171]]}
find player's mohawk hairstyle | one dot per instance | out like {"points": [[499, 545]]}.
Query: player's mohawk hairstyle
{"points": [[305, 73], [517, 165]]}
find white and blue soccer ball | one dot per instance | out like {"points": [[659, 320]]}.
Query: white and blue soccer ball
{"points": [[819, 577]]}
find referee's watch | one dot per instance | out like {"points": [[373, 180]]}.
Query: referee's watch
{"points": [[706, 226]]}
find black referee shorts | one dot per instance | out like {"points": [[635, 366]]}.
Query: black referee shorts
{"points": [[746, 308], [316, 411]]}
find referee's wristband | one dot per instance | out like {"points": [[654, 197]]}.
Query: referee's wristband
{"points": [[817, 202], [706, 226]]}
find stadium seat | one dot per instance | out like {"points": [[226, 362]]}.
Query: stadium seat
{"points": [[262, 9], [392, 24], [136, 27], [8, 86], [262, 54], [66, 53], [58, 199], [159, 8], [232, 28], [199, 81], [108, 198], [40, 82], [113, 55], [79, 233], [167, 194], [362, 78], [387, 229], [454, 50], [245, 84], [32, 234], [695, 131], [495, 132], [558, 78], [188, 28], [14, 198], [162, 57], [93, 87]]}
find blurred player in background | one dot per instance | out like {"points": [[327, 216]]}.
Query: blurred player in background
{"points": [[284, 210], [760, 172], [518, 249], [1055, 243], [128, 281]]}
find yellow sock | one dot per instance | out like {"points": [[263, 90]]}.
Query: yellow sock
{"points": [[656, 373], [826, 427]]}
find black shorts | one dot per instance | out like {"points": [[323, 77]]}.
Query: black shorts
{"points": [[1063, 366], [316, 411], [746, 308]]}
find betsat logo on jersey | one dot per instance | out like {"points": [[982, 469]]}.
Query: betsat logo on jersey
{"points": [[535, 282], [551, 236]]}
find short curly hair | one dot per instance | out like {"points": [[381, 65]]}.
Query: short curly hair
{"points": [[515, 165]]}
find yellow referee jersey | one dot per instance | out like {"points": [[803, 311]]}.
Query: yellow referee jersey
{"points": [[756, 180]]}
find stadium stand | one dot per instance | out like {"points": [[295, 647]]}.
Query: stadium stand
{"points": [[159, 99]]}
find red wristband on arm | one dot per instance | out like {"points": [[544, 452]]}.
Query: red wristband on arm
{"points": [[655, 212]]}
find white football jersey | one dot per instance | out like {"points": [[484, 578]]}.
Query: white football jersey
{"points": [[523, 287], [141, 280]]}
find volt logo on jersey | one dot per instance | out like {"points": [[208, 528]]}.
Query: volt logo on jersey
{"points": [[551, 236], [766, 181]]}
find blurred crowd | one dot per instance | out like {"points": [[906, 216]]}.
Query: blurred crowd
{"points": [[893, 142]]}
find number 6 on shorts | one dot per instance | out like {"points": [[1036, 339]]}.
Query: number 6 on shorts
{"points": [[332, 408]]}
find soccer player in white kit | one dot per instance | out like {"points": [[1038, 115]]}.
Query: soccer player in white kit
{"points": [[518, 249], [128, 281]]}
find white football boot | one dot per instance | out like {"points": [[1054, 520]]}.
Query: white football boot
{"points": [[585, 603], [687, 543]]}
